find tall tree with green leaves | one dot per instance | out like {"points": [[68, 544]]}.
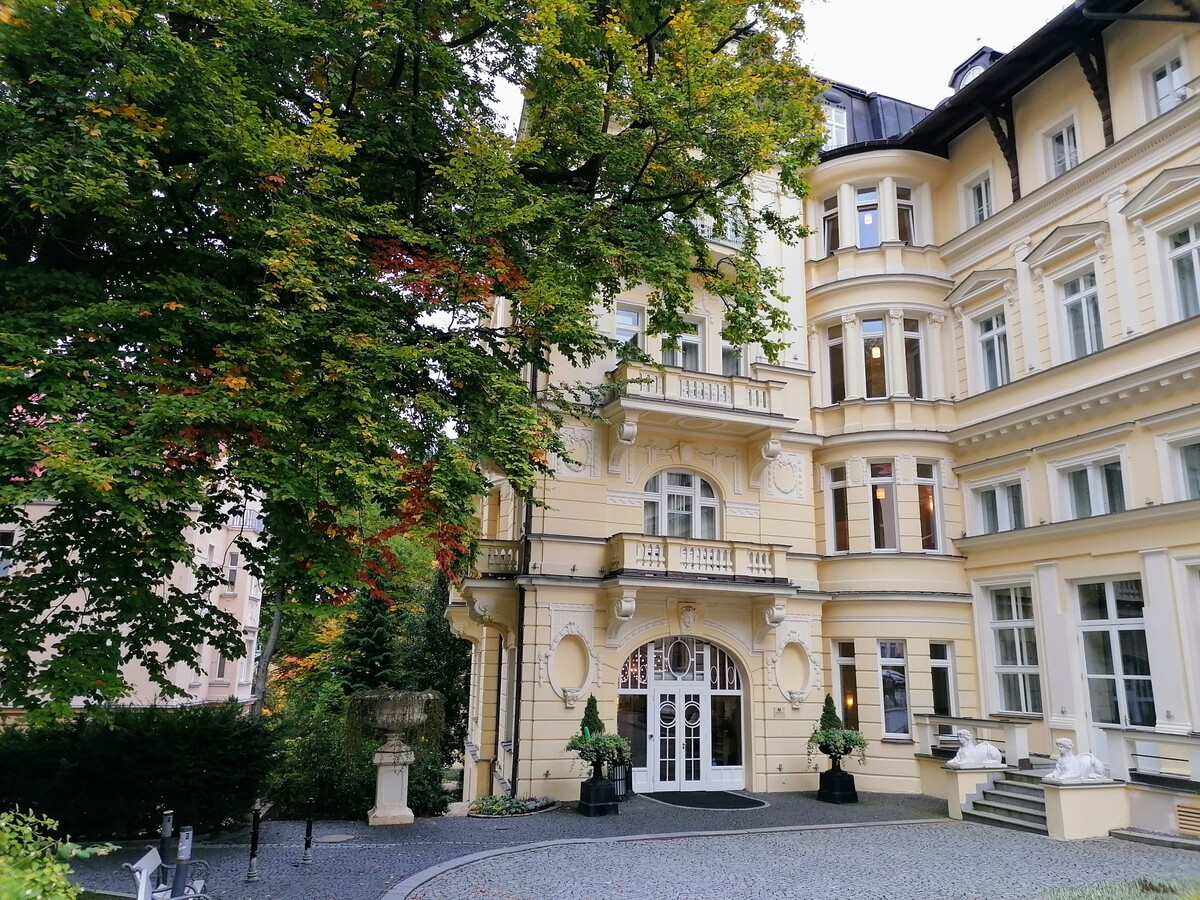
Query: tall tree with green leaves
{"points": [[288, 251]]}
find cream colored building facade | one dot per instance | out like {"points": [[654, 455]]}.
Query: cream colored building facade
{"points": [[968, 493]]}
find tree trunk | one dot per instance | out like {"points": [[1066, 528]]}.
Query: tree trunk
{"points": [[264, 658]]}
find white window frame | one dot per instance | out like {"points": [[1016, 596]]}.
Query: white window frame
{"points": [[894, 662], [931, 482], [1173, 464], [738, 354], [1022, 668], [1093, 314], [664, 491], [1144, 71], [876, 482], [829, 215], [1113, 626], [1068, 122], [917, 335], [842, 660], [882, 338], [1180, 311], [997, 336], [830, 343], [1092, 463], [837, 126], [909, 203], [246, 663], [948, 665], [859, 206], [1006, 516], [220, 669], [833, 484], [625, 333], [688, 340], [970, 209], [233, 565]]}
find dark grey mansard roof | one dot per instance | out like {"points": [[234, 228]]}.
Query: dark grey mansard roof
{"points": [[877, 121]]}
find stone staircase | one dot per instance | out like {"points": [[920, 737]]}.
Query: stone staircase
{"points": [[1014, 799]]}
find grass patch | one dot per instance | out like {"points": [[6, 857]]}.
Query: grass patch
{"points": [[1141, 889]]}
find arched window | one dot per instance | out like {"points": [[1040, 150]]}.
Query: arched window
{"points": [[680, 504]]}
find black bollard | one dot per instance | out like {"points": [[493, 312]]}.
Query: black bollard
{"points": [[252, 869], [183, 862], [164, 839], [306, 859]]}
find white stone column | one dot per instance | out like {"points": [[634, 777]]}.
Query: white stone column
{"points": [[889, 224], [935, 357], [819, 363], [896, 372], [1025, 304], [847, 217], [1118, 233], [1063, 699], [852, 351], [1163, 632]]}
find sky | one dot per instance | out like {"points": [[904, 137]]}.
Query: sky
{"points": [[908, 48]]}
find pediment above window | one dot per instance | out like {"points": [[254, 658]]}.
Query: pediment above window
{"points": [[1170, 187], [1067, 242], [982, 285]]}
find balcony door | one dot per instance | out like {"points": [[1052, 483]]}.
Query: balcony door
{"points": [[680, 705]]}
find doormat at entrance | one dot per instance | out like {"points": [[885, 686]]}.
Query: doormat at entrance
{"points": [[706, 800]]}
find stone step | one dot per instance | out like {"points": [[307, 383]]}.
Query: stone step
{"points": [[1024, 788], [1012, 798], [1157, 838], [1008, 811], [1027, 776], [1003, 822]]}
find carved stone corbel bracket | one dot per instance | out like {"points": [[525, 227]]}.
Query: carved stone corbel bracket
{"points": [[495, 607], [623, 436], [769, 451], [621, 607], [769, 615]]}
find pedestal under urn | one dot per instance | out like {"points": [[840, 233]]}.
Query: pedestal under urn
{"points": [[399, 715]]}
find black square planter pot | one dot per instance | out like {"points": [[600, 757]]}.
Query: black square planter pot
{"points": [[598, 797], [837, 786]]}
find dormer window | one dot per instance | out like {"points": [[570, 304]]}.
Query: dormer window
{"points": [[837, 131]]}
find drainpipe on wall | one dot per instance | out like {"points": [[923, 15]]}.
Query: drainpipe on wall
{"points": [[523, 571]]}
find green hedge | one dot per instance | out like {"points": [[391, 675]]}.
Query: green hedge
{"points": [[110, 775]]}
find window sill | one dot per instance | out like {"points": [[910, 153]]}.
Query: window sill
{"points": [[1021, 716], [896, 740]]}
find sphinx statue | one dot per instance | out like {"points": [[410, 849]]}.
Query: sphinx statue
{"points": [[973, 755], [1072, 769]]}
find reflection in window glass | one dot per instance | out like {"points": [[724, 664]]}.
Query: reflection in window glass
{"points": [[726, 730]]}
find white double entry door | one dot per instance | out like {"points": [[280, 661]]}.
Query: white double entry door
{"points": [[682, 703]]}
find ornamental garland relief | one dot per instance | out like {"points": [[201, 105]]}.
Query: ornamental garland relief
{"points": [[785, 476]]}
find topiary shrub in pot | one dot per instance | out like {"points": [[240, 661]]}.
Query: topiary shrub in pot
{"points": [[835, 741], [597, 796]]}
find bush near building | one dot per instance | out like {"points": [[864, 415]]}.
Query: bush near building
{"points": [[111, 773]]}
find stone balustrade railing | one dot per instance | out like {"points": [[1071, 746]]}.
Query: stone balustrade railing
{"points": [[725, 391], [1011, 736], [725, 560]]}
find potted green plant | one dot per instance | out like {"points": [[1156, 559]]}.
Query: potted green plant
{"points": [[835, 741], [597, 796]]}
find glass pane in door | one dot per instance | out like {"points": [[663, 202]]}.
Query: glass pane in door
{"points": [[668, 729]]}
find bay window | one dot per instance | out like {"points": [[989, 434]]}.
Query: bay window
{"points": [[829, 225], [913, 367], [905, 216], [680, 504], [835, 344], [867, 213], [927, 506], [839, 510], [875, 367]]}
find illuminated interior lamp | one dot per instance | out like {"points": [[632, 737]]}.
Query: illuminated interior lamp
{"points": [[880, 493], [876, 353]]}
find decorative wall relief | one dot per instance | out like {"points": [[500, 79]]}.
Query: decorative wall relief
{"points": [[582, 452], [906, 469], [949, 479], [793, 669], [621, 608], [569, 663], [623, 434], [856, 471], [785, 477], [722, 461]]}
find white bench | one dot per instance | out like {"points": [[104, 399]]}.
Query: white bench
{"points": [[145, 874]]}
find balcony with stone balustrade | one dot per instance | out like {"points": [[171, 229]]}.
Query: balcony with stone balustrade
{"points": [[693, 559], [677, 398]]}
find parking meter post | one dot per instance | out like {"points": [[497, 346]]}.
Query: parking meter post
{"points": [[252, 870], [183, 862], [306, 859], [164, 840]]}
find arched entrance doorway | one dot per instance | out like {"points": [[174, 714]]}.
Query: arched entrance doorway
{"points": [[679, 703]]}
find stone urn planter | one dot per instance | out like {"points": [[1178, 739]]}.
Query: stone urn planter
{"points": [[399, 715]]}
